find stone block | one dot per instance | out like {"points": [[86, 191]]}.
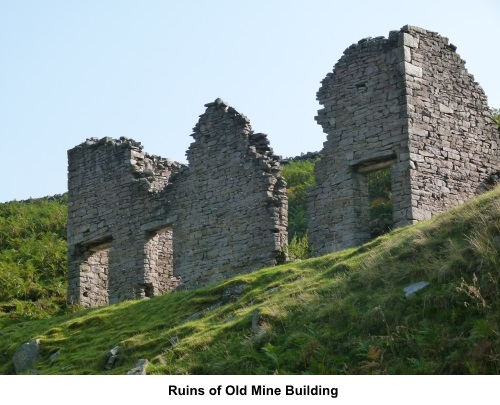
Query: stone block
{"points": [[26, 356]]}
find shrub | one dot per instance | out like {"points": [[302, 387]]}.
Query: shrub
{"points": [[299, 175], [33, 264], [299, 248]]}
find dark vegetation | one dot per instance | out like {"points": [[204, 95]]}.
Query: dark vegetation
{"points": [[379, 194], [380, 201]]}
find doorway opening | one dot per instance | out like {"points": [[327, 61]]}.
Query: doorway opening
{"points": [[380, 201], [375, 182]]}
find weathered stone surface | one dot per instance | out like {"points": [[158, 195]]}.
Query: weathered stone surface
{"points": [[140, 368], [231, 205], [408, 103], [199, 314], [26, 356], [233, 293], [412, 70], [112, 357], [140, 225], [55, 355], [259, 332]]}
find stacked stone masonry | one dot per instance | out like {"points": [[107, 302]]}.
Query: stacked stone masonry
{"points": [[140, 225], [408, 103]]}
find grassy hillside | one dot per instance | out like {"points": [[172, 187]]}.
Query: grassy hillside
{"points": [[343, 313], [32, 258]]}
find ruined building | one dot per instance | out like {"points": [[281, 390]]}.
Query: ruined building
{"points": [[407, 103], [140, 225]]}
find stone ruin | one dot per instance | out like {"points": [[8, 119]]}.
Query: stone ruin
{"points": [[406, 103], [140, 225]]}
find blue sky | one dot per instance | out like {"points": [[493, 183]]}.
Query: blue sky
{"points": [[144, 69]]}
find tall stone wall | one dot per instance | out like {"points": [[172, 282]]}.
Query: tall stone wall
{"points": [[140, 225], [231, 206], [452, 136], [112, 186], [366, 122], [405, 102]]}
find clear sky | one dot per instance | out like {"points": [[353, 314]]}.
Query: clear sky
{"points": [[70, 70]]}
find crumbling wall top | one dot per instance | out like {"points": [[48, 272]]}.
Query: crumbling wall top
{"points": [[223, 125], [406, 102]]}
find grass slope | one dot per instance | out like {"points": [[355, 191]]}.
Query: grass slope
{"points": [[33, 276], [344, 313]]}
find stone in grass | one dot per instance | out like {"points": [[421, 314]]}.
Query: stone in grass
{"points": [[232, 293], [198, 315], [259, 332], [54, 355], [26, 356], [140, 368], [112, 357], [413, 288], [255, 321]]}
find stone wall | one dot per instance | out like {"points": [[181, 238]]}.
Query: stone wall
{"points": [[453, 138], [231, 205], [94, 273], [140, 225], [408, 103], [159, 262], [112, 191], [364, 116]]}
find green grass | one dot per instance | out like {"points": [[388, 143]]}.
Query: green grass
{"points": [[33, 264], [344, 313]]}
